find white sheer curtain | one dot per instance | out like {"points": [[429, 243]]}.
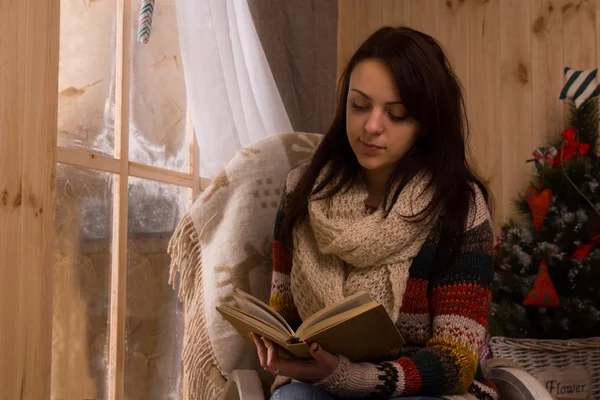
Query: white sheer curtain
{"points": [[233, 97]]}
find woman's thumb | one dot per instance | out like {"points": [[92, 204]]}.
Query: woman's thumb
{"points": [[320, 354]]}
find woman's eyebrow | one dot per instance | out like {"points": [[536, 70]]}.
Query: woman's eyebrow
{"points": [[369, 98]]}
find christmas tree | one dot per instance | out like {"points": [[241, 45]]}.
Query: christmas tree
{"points": [[547, 283]]}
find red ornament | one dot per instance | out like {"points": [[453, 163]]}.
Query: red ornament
{"points": [[543, 293], [583, 249], [538, 204], [570, 147]]}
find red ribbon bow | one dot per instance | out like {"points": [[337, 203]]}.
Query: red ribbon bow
{"points": [[570, 147]]}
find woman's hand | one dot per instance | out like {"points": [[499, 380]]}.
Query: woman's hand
{"points": [[309, 371]]}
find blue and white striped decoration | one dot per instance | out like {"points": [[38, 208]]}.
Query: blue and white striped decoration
{"points": [[145, 21], [580, 85]]}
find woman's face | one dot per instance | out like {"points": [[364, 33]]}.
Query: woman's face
{"points": [[379, 129]]}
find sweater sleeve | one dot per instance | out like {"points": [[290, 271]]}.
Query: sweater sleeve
{"points": [[281, 299], [460, 297]]}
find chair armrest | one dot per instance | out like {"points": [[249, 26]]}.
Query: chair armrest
{"points": [[243, 384], [517, 384]]}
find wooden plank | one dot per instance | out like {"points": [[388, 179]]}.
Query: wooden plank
{"points": [[373, 10], [120, 205], [515, 99], [454, 37], [425, 16], [82, 158], [85, 159], [484, 88], [370, 13], [39, 195], [345, 34], [158, 174], [396, 12], [547, 75], [12, 81], [579, 36], [28, 113]]}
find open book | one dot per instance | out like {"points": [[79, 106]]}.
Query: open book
{"points": [[356, 327]]}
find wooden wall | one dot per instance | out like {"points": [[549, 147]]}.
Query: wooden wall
{"points": [[28, 109], [509, 56]]}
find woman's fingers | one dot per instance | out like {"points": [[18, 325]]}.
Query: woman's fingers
{"points": [[267, 353], [328, 362], [261, 349], [271, 354], [313, 370]]}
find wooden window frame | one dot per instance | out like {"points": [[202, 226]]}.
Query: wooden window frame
{"points": [[123, 169]]}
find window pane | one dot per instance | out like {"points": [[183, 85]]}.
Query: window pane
{"points": [[158, 103], [154, 319], [82, 250], [86, 102]]}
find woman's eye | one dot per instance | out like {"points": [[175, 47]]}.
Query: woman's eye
{"points": [[359, 108], [398, 117]]}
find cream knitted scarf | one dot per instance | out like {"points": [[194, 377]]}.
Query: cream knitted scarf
{"points": [[339, 250]]}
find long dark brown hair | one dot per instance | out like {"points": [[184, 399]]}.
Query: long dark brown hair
{"points": [[432, 95]]}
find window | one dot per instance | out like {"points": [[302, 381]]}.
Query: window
{"points": [[127, 171]]}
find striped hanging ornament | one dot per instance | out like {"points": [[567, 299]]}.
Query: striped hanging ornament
{"points": [[580, 85], [145, 21]]}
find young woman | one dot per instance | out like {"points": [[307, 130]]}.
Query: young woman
{"points": [[388, 204]]}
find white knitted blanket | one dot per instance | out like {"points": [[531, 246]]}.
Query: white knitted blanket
{"points": [[223, 243]]}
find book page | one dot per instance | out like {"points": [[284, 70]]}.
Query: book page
{"points": [[254, 306], [351, 302], [245, 323]]}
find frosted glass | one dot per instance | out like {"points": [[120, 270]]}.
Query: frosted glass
{"points": [[82, 258], [158, 103], [154, 318], [86, 83]]}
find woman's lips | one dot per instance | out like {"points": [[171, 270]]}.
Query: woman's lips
{"points": [[369, 148]]}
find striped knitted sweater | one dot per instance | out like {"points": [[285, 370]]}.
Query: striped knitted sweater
{"points": [[443, 320]]}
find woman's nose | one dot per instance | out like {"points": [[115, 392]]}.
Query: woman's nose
{"points": [[374, 124]]}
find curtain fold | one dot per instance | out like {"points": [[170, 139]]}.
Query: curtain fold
{"points": [[230, 89]]}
